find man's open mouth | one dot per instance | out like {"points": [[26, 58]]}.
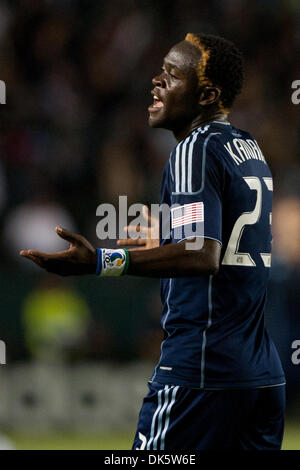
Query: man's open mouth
{"points": [[157, 103]]}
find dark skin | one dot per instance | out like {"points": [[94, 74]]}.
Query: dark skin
{"points": [[181, 106], [187, 105]]}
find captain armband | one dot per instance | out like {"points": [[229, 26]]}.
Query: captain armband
{"points": [[112, 262]]}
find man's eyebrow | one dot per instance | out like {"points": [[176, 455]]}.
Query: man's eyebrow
{"points": [[171, 64]]}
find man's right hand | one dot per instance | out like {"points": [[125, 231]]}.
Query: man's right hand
{"points": [[80, 258]]}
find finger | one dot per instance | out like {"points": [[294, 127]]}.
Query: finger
{"points": [[38, 254], [136, 228], [146, 214], [67, 235], [132, 228], [132, 241], [151, 219], [39, 261], [44, 256], [138, 241]]}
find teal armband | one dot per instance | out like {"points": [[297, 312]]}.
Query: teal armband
{"points": [[112, 262]]}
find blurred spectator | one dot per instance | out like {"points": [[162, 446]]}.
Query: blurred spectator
{"points": [[55, 320], [282, 314], [32, 225], [286, 230]]}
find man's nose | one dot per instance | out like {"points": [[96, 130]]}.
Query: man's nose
{"points": [[158, 80]]}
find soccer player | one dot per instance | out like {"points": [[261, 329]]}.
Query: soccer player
{"points": [[219, 383]]}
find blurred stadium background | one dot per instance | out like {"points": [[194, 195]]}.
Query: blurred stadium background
{"points": [[74, 134]]}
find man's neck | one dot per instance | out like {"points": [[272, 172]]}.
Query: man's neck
{"points": [[199, 121]]}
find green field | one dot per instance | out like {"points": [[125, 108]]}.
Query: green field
{"points": [[73, 441], [107, 441]]}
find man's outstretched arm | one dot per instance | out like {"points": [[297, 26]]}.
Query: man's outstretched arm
{"points": [[172, 260], [175, 260]]}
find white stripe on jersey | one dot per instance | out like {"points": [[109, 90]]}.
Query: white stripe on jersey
{"points": [[154, 419], [160, 417], [190, 163], [184, 152], [162, 410], [177, 178], [183, 157], [183, 167], [162, 441]]}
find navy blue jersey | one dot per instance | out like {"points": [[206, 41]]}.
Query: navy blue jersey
{"points": [[219, 186]]}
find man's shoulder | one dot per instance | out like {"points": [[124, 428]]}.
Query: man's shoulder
{"points": [[209, 137], [196, 158], [213, 149], [223, 145]]}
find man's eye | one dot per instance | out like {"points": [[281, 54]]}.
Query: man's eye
{"points": [[171, 74]]}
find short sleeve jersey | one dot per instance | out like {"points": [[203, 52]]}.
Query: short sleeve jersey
{"points": [[218, 186]]}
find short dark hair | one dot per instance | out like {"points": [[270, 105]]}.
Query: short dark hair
{"points": [[221, 64]]}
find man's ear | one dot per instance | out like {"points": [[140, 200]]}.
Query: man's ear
{"points": [[209, 95]]}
